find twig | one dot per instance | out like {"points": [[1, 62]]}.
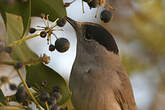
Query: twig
{"points": [[47, 107], [28, 90], [18, 42]]}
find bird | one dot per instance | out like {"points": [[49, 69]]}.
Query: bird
{"points": [[98, 80]]}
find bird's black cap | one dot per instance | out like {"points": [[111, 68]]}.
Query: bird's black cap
{"points": [[96, 32]]}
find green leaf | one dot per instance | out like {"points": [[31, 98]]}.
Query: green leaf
{"points": [[54, 8], [22, 9], [14, 28], [2, 97], [36, 74]]}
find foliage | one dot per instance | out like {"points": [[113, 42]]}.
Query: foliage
{"points": [[17, 18]]}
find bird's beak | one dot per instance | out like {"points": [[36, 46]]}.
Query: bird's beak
{"points": [[75, 24]]}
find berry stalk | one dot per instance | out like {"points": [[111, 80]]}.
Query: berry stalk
{"points": [[28, 90], [19, 42]]}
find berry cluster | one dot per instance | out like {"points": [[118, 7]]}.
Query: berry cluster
{"points": [[61, 44], [22, 96], [51, 98]]}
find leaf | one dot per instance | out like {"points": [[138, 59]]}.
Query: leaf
{"points": [[2, 97], [54, 8], [22, 9], [36, 74], [14, 28]]}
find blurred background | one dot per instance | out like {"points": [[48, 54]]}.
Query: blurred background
{"points": [[138, 27]]}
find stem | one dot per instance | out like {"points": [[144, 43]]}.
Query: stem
{"points": [[54, 24], [28, 90], [47, 107], [83, 6], [18, 42], [30, 62]]}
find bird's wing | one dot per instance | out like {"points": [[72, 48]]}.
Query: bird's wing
{"points": [[124, 95]]}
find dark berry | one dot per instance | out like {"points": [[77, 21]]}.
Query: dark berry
{"points": [[44, 83], [62, 44], [57, 95], [54, 107], [61, 22], [8, 49], [28, 84], [26, 103], [21, 94], [93, 3], [43, 34], [44, 96], [52, 47], [13, 87], [52, 101], [56, 89], [32, 30], [106, 16], [18, 65]]}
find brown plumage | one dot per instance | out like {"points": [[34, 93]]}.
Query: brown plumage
{"points": [[98, 80]]}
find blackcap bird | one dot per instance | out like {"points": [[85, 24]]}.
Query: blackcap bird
{"points": [[98, 80]]}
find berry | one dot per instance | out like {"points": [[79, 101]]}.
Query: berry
{"points": [[8, 49], [21, 94], [32, 30], [44, 83], [28, 84], [43, 34], [57, 95], [18, 65], [54, 107], [44, 96], [56, 89], [61, 22], [13, 87], [52, 47], [62, 44], [106, 16]]}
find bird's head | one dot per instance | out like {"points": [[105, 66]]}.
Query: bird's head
{"points": [[93, 31]]}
